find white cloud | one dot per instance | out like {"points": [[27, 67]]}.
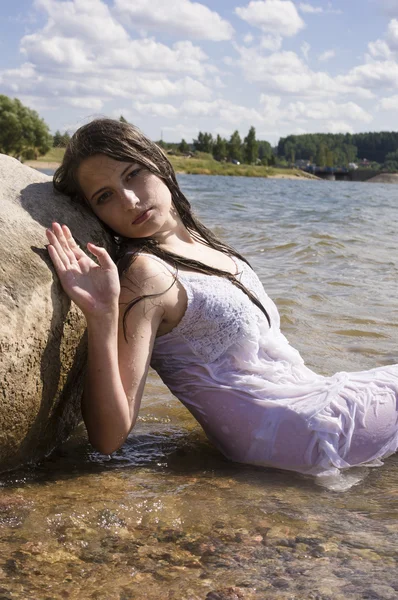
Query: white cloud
{"points": [[327, 55], [77, 54], [56, 52], [91, 103], [305, 48], [248, 39], [330, 110], [373, 75], [223, 109], [149, 55], [87, 19], [179, 131], [390, 103], [392, 34], [153, 109], [271, 108], [278, 17], [379, 49], [271, 42], [84, 58], [178, 17], [308, 8], [338, 127], [270, 103], [284, 72]]}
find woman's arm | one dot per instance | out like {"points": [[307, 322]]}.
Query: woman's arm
{"points": [[117, 368]]}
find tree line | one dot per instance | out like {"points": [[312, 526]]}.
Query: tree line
{"points": [[25, 135], [380, 149], [248, 151]]}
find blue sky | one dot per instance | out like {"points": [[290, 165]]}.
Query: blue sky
{"points": [[178, 67]]}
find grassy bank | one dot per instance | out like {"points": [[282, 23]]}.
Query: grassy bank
{"points": [[203, 165], [55, 155], [209, 166]]}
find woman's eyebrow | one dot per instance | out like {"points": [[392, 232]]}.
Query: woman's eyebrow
{"points": [[104, 188]]}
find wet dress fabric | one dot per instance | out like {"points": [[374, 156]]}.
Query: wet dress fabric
{"points": [[252, 393]]}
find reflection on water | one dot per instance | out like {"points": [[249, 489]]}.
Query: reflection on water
{"points": [[167, 516]]}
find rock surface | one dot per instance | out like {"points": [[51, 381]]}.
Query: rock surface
{"points": [[42, 343]]}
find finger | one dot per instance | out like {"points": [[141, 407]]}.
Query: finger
{"points": [[77, 251], [102, 255], [57, 262], [58, 231], [53, 239]]}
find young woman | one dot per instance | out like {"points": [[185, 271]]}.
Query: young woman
{"points": [[192, 307]]}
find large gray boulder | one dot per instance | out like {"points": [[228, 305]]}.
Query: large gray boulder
{"points": [[42, 341]]}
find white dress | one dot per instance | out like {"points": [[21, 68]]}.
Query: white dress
{"points": [[253, 395]]}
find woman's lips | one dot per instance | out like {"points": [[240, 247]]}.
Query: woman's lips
{"points": [[143, 217]]}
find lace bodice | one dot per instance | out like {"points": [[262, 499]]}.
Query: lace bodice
{"points": [[218, 313]]}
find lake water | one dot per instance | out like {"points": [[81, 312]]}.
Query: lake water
{"points": [[167, 517]]}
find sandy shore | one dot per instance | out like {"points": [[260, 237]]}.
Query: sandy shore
{"points": [[384, 178], [41, 164], [298, 175]]}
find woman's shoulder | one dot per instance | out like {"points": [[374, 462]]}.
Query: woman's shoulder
{"points": [[147, 274]]}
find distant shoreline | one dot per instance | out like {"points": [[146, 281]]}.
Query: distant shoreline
{"points": [[232, 170], [41, 164]]}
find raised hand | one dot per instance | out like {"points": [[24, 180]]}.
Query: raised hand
{"points": [[94, 288]]}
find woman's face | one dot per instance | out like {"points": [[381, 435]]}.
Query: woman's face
{"points": [[127, 197]]}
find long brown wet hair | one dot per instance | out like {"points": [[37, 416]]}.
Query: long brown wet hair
{"points": [[124, 142]]}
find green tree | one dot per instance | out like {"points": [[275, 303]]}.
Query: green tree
{"points": [[391, 162], [183, 147], [351, 152], [290, 151], [204, 143], [22, 131], [65, 139], [57, 139], [250, 148], [220, 148], [234, 147], [329, 158], [61, 140], [265, 153], [320, 159], [162, 144]]}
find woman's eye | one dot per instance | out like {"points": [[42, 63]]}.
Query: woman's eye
{"points": [[101, 199], [133, 173]]}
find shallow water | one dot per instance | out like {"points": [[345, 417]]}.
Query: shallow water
{"points": [[168, 516]]}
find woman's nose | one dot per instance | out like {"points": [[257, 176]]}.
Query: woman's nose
{"points": [[128, 198]]}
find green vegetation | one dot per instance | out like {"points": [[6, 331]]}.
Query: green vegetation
{"points": [[209, 166], [22, 132], [339, 150], [391, 162], [201, 164], [251, 151], [61, 140], [54, 155], [25, 135]]}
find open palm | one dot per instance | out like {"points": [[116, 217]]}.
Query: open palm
{"points": [[95, 288]]}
